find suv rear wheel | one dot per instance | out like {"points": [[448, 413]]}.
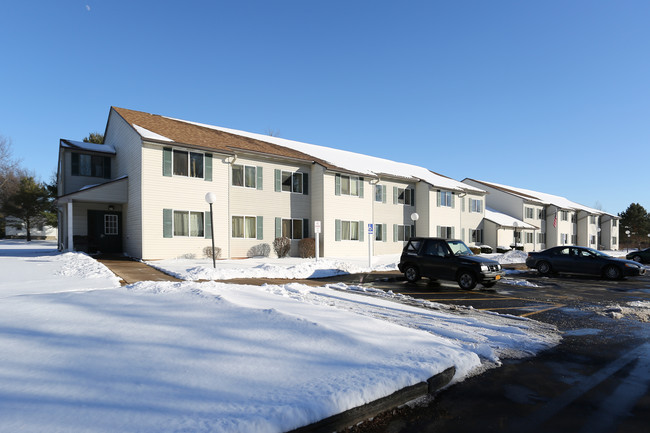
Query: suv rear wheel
{"points": [[466, 280], [411, 273]]}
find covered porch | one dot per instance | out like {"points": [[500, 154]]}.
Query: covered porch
{"points": [[91, 219]]}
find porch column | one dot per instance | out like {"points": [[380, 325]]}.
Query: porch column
{"points": [[69, 218]]}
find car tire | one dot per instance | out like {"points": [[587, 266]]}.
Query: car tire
{"points": [[544, 268], [411, 273], [637, 259], [612, 273], [466, 280]]}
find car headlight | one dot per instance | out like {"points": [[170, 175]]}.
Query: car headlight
{"points": [[632, 265], [484, 268]]}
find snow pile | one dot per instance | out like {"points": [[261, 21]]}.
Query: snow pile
{"points": [[201, 357], [286, 268], [635, 310], [82, 266], [512, 256]]}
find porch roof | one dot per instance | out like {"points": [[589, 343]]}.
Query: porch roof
{"points": [[113, 191]]}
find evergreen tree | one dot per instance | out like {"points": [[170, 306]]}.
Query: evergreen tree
{"points": [[637, 220], [28, 203], [94, 137]]}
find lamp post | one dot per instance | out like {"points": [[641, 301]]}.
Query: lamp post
{"points": [[514, 235], [627, 232], [211, 198]]}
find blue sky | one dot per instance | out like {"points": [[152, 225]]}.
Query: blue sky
{"points": [[552, 96]]}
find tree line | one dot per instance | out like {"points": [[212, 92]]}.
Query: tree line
{"points": [[634, 227], [24, 197]]}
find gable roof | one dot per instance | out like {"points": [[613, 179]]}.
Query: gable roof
{"points": [[166, 129], [506, 220], [541, 197]]}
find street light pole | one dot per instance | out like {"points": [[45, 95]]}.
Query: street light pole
{"points": [[211, 198]]}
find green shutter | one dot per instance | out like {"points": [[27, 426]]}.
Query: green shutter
{"points": [[395, 195], [305, 183], [383, 193], [74, 169], [412, 197], [260, 228], [395, 237], [360, 187], [383, 232], [167, 161], [438, 231], [260, 178], [168, 225], [305, 228], [453, 199], [278, 227], [208, 167], [362, 229], [337, 230], [337, 187], [438, 201], [208, 225], [278, 180]]}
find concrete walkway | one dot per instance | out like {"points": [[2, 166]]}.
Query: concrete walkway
{"points": [[132, 271]]}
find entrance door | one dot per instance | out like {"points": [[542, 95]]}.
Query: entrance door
{"points": [[104, 231]]}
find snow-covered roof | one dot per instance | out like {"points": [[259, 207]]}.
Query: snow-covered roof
{"points": [[90, 147], [145, 133], [355, 162], [543, 198], [506, 220]]}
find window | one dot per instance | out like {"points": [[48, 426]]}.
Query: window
{"points": [[475, 205], [592, 219], [244, 175], [379, 232], [541, 238], [446, 198], [592, 240], [445, 232], [564, 215], [290, 181], [90, 165], [573, 217], [614, 240], [530, 238], [187, 163], [188, 223], [403, 233], [529, 212], [110, 225], [541, 214], [292, 228], [350, 230], [476, 236], [379, 193], [405, 196], [614, 223], [348, 185], [574, 239], [244, 227]]}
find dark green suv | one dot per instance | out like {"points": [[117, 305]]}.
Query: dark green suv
{"points": [[444, 259]]}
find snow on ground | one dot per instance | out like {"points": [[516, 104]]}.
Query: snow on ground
{"points": [[82, 354], [634, 310]]}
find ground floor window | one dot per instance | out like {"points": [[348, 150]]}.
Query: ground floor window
{"points": [[110, 225], [530, 238], [445, 232], [476, 236], [350, 230], [541, 238], [187, 223], [380, 232], [292, 228], [244, 227]]}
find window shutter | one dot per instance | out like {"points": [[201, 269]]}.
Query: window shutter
{"points": [[207, 175], [337, 230], [305, 228], [107, 167], [394, 195], [278, 180], [360, 187], [394, 232], [278, 227], [167, 161], [305, 183], [453, 233], [462, 204], [383, 232], [438, 232], [453, 197], [74, 169], [412, 197], [462, 235], [438, 201], [208, 225], [362, 229], [383, 193], [168, 227], [337, 186], [260, 228], [260, 178]]}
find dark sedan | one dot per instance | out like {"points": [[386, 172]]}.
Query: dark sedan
{"points": [[581, 260], [641, 256]]}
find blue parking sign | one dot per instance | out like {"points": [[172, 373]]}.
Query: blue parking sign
{"points": [[370, 228]]}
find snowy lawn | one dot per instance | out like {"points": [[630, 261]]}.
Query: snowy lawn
{"points": [[82, 354]]}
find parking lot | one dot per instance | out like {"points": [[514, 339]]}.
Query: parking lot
{"points": [[596, 380]]}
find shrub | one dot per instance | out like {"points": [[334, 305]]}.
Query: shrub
{"points": [[486, 249], [281, 246], [502, 250], [207, 251], [307, 248], [259, 250], [475, 250]]}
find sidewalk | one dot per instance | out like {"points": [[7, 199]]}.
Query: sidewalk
{"points": [[132, 271]]}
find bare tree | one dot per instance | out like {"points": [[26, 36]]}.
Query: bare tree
{"points": [[8, 165], [272, 132]]}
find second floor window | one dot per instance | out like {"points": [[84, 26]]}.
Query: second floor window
{"points": [[187, 163], [475, 205], [91, 165], [244, 175]]}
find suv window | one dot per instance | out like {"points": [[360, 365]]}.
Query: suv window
{"points": [[435, 248], [413, 246], [459, 248]]}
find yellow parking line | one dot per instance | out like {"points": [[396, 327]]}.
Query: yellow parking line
{"points": [[541, 311], [471, 299]]}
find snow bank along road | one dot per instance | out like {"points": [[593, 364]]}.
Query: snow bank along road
{"points": [[80, 353]]}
